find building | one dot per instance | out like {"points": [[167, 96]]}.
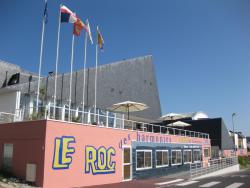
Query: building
{"points": [[52, 150], [240, 142], [248, 142], [221, 142], [52, 153]]}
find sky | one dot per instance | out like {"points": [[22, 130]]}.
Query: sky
{"points": [[200, 49]]}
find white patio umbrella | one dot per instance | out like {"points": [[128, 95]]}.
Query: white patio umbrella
{"points": [[179, 124], [172, 116], [128, 106]]}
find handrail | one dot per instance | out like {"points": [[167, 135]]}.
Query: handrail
{"points": [[126, 124], [87, 117], [7, 117], [201, 168]]}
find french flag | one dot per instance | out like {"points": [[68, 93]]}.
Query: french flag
{"points": [[67, 15]]}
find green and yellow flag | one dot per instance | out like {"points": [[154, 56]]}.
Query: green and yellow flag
{"points": [[100, 40]]}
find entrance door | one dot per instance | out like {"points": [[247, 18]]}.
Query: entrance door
{"points": [[127, 163]]}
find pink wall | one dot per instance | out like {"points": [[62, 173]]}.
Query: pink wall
{"points": [[28, 139], [74, 175], [239, 152], [44, 143], [84, 135]]}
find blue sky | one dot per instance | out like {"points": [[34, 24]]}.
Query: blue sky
{"points": [[201, 49]]}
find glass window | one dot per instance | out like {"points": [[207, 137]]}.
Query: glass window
{"points": [[197, 155], [143, 159], [176, 157], [187, 156], [119, 120], [111, 119], [140, 159], [148, 159], [161, 158], [207, 152]]}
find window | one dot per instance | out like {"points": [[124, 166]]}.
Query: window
{"points": [[207, 152], [143, 159], [197, 155], [161, 158], [176, 157], [187, 156], [7, 156]]}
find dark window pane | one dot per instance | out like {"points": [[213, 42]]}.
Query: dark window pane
{"points": [[159, 158], [165, 158], [140, 159], [179, 158], [147, 159]]}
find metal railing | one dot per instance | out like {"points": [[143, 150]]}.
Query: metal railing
{"points": [[201, 168], [101, 119], [7, 117]]}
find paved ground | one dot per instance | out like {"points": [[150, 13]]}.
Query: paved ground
{"points": [[234, 180]]}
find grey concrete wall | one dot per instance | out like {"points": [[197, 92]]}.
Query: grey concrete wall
{"points": [[132, 79]]}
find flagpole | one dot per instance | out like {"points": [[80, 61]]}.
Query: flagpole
{"points": [[40, 61], [96, 62], [71, 70], [84, 74], [57, 57]]}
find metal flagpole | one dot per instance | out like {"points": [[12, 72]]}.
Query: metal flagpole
{"points": [[96, 62], [84, 74], [71, 70], [40, 61], [57, 55]]}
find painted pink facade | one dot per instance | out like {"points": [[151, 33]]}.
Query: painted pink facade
{"points": [[28, 139], [65, 152], [239, 152]]}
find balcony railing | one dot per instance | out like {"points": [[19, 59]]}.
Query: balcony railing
{"points": [[101, 118], [7, 117]]}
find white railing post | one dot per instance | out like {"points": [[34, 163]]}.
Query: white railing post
{"points": [[89, 117], [49, 110], [98, 116], [107, 118]]}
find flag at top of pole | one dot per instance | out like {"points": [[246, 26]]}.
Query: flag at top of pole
{"points": [[100, 43], [45, 13], [100, 40], [45, 20], [67, 15], [78, 27], [88, 30]]}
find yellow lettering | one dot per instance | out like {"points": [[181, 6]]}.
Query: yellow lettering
{"points": [[102, 158], [66, 149], [99, 160], [111, 152], [61, 159], [90, 159]]}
